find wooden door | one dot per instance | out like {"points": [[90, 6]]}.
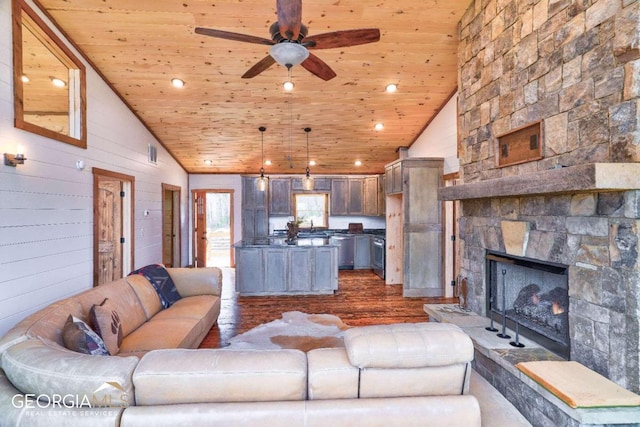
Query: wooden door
{"points": [[112, 225], [171, 226], [200, 230], [109, 230]]}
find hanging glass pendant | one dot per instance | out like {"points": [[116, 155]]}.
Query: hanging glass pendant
{"points": [[262, 182], [307, 182]]}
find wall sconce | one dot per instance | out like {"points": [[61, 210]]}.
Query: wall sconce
{"points": [[14, 159]]}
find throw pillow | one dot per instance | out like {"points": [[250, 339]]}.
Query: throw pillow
{"points": [[78, 336], [106, 322], [159, 277]]}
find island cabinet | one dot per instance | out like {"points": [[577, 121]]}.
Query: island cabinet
{"points": [[347, 196], [255, 214], [280, 197], [286, 269]]}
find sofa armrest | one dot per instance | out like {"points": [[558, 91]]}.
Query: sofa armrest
{"points": [[41, 369], [197, 281]]}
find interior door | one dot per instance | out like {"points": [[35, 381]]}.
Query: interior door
{"points": [[109, 230], [171, 226], [112, 222]]}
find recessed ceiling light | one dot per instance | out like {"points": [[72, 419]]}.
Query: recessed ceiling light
{"points": [[177, 83], [357, 163], [288, 86], [379, 126], [267, 162], [391, 87], [25, 79], [208, 162], [58, 82], [312, 163]]}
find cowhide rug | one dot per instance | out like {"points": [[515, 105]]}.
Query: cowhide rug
{"points": [[295, 330]]}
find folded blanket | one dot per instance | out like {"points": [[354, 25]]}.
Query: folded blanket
{"points": [[162, 283]]}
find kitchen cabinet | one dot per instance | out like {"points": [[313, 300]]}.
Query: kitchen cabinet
{"points": [[319, 185], [347, 196], [339, 196], [393, 177], [362, 255], [325, 270], [280, 197], [371, 201], [414, 228], [255, 215]]}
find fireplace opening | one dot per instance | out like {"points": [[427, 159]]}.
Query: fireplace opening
{"points": [[533, 296]]}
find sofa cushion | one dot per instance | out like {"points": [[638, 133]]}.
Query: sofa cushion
{"points": [[220, 375], [106, 321], [162, 283], [331, 375], [147, 295], [122, 298], [408, 345], [168, 333], [78, 336], [197, 281]]}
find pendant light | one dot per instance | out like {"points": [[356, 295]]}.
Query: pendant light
{"points": [[307, 181], [263, 181]]}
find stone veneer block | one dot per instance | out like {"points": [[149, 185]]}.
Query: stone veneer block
{"points": [[515, 235]]}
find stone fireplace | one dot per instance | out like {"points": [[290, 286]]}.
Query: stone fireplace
{"points": [[530, 297], [573, 66]]}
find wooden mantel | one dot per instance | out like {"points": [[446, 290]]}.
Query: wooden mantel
{"points": [[573, 179]]}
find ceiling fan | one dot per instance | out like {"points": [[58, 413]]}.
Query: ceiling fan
{"points": [[289, 42]]}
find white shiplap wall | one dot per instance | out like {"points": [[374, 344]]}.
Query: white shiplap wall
{"points": [[46, 205]]}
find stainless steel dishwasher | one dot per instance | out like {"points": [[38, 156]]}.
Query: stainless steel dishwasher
{"points": [[346, 250]]}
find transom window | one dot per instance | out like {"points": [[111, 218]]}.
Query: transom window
{"points": [[312, 210]]}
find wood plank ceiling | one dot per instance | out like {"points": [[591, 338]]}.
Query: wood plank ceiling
{"points": [[139, 46]]}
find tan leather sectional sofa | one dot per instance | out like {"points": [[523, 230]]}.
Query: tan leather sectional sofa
{"points": [[386, 375]]}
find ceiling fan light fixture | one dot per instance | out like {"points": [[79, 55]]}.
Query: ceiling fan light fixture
{"points": [[288, 86], [288, 54]]}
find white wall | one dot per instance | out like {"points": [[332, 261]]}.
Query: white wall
{"points": [[440, 139], [46, 205]]}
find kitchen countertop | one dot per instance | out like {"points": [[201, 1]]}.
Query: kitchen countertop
{"points": [[279, 241]]}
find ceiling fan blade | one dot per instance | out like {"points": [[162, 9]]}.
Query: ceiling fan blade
{"points": [[262, 65], [317, 66], [343, 38], [232, 36], [289, 18]]}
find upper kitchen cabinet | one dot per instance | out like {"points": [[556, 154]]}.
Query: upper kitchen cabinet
{"points": [[347, 196], [280, 197], [255, 216], [319, 185], [371, 200], [393, 177]]}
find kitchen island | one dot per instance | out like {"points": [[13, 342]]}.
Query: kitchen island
{"points": [[270, 266]]}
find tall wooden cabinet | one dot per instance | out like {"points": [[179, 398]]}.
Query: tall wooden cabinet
{"points": [[414, 226], [255, 213]]}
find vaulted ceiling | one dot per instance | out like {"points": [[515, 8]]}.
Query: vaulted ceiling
{"points": [[139, 46]]}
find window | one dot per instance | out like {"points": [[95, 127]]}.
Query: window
{"points": [[312, 210]]}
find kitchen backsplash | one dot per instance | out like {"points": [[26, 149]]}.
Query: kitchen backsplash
{"points": [[335, 222]]}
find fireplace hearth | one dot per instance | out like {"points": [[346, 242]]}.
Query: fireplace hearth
{"points": [[530, 296]]}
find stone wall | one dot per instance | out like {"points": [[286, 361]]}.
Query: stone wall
{"points": [[575, 66], [572, 64]]}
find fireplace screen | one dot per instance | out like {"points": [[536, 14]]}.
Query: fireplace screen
{"points": [[532, 295]]}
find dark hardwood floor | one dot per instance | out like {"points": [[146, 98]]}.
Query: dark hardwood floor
{"points": [[362, 299]]}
